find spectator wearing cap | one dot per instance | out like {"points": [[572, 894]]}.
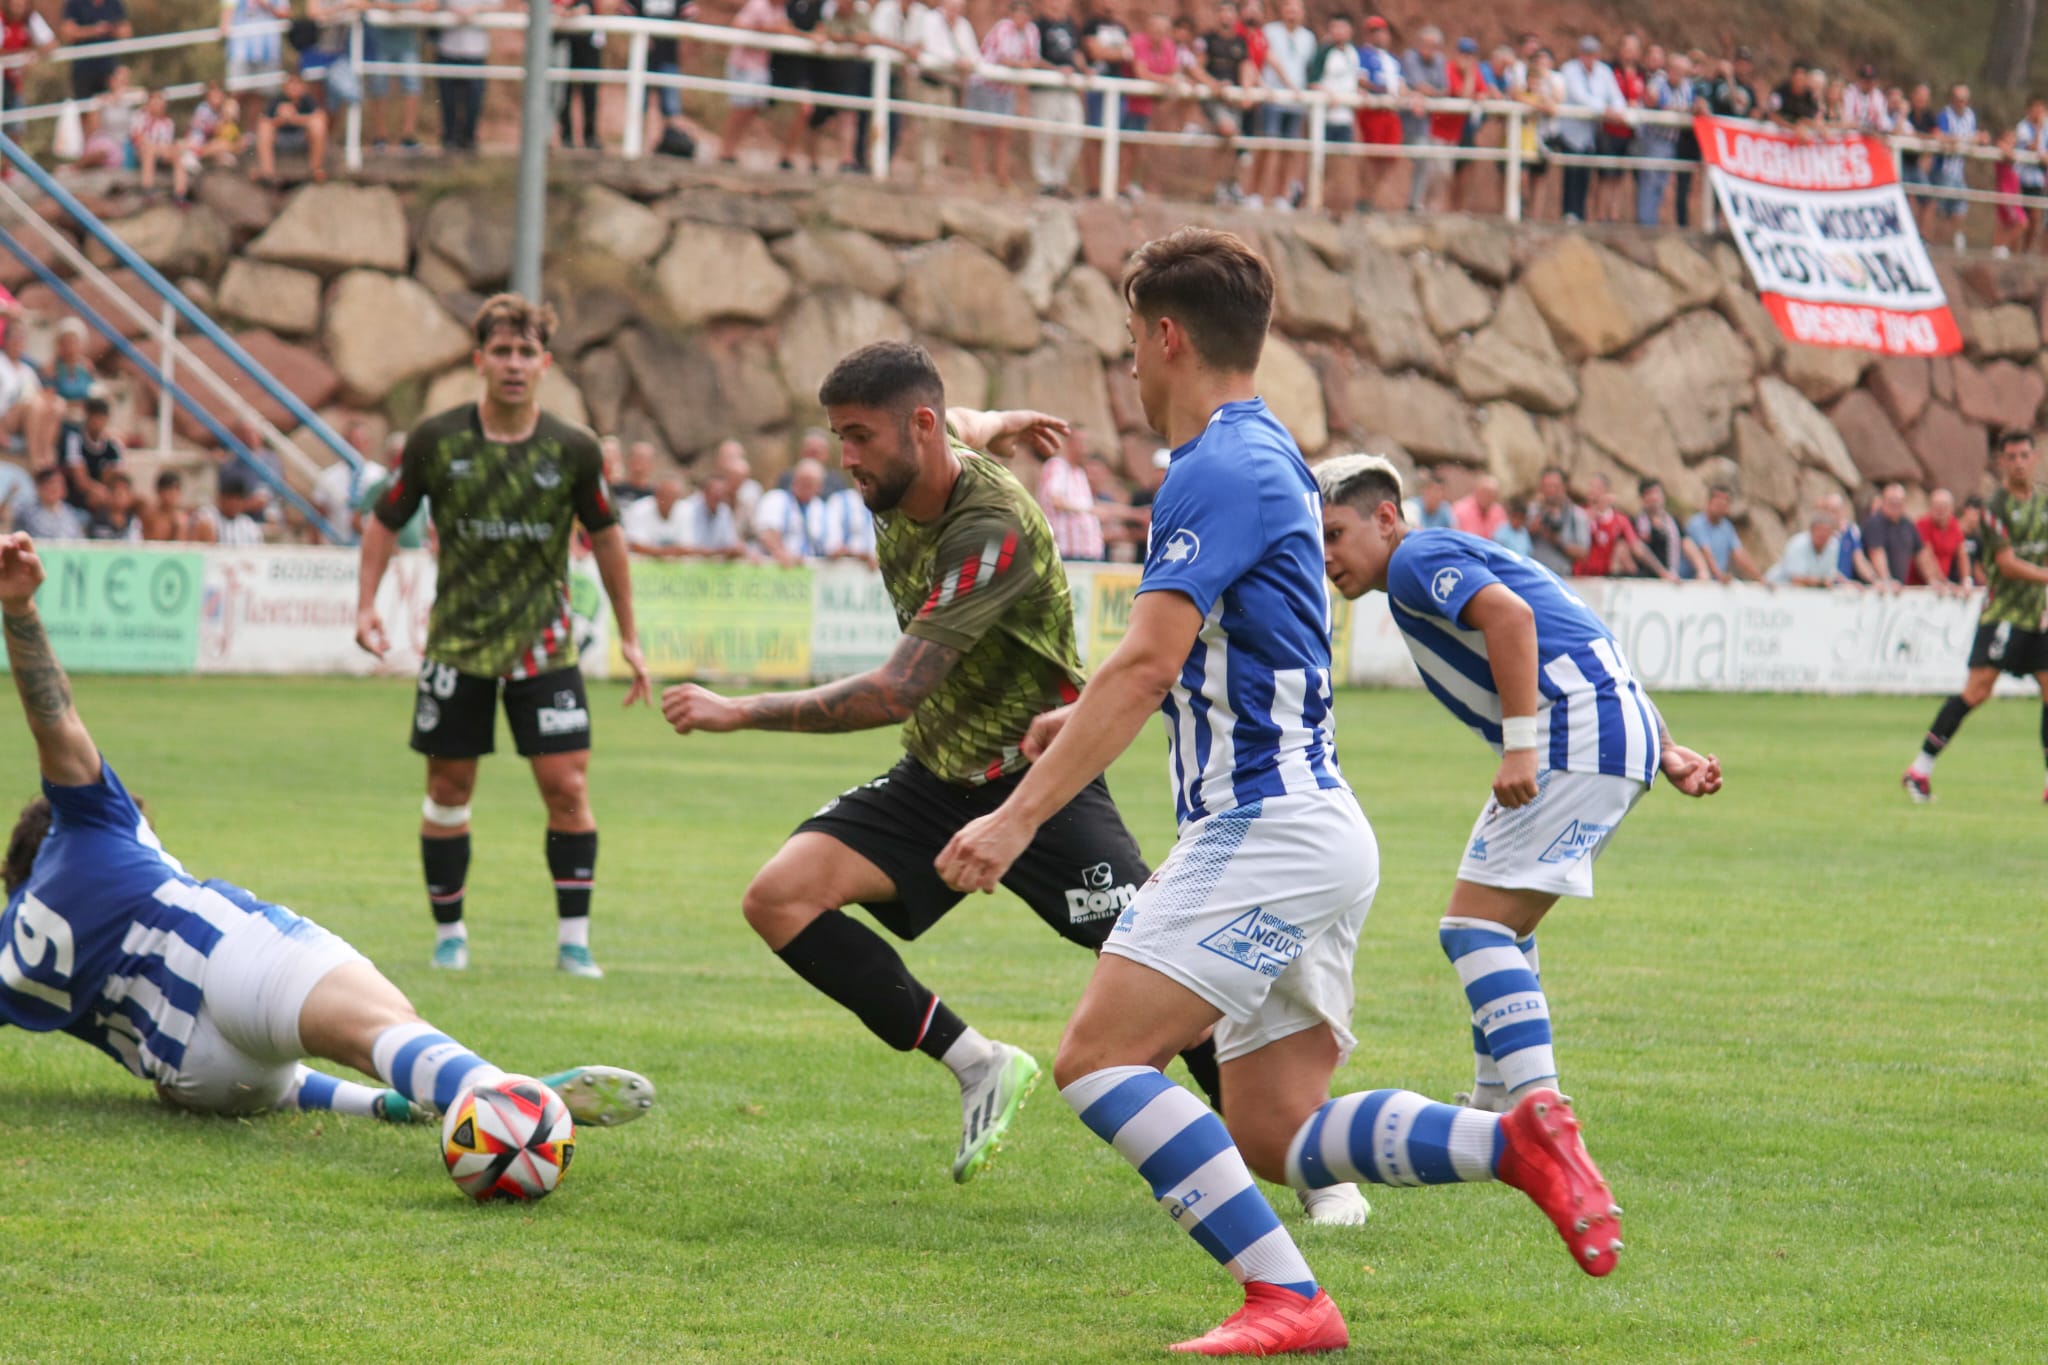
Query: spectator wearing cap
{"points": [[1379, 73], [50, 517], [1427, 74], [1865, 106], [1811, 559], [1946, 542], [1589, 83]]}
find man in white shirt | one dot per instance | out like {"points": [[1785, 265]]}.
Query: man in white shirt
{"points": [[1588, 84], [731, 461], [849, 527], [1865, 105], [1339, 79], [949, 51], [714, 531], [1811, 560], [1290, 45], [790, 522], [658, 526]]}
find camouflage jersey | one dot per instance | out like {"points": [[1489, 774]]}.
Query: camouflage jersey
{"points": [[983, 578], [503, 513], [2023, 525]]}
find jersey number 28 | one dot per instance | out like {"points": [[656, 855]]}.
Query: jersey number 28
{"points": [[39, 932]]}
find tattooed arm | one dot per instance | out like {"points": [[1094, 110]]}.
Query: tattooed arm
{"points": [[881, 696], [68, 756]]}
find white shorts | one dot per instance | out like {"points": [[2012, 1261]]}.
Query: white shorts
{"points": [[1258, 910], [245, 1047], [1552, 843]]}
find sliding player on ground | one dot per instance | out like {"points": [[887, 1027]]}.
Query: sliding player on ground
{"points": [[1515, 655], [2011, 637], [1252, 922], [200, 987], [505, 484]]}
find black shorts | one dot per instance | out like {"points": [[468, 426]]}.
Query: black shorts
{"points": [[1080, 873], [795, 71], [455, 714], [1609, 144], [2006, 647]]}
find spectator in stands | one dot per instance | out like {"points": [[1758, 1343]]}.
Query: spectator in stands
{"points": [[1610, 536], [1067, 496], [1617, 133], [577, 52], [111, 141], [1713, 547], [1011, 41], [28, 411], [1670, 91], [234, 515], [1792, 105], [334, 485], [1971, 519], [255, 47], [156, 143], [1465, 79], [804, 72], [731, 461], [292, 122], [658, 525], [1425, 74], [751, 66], [1865, 105], [1155, 56], [950, 51], [1732, 91], [1124, 522], [168, 518], [1893, 543], [214, 132], [1589, 83], [1059, 48], [400, 45], [325, 60], [88, 453], [464, 44], [71, 377], [1956, 125], [849, 527], [1513, 534], [1811, 560], [93, 21], [2030, 143], [1919, 119], [1659, 551], [1106, 43], [17, 491], [1379, 73], [118, 519], [1335, 71], [1851, 564], [1223, 61], [2010, 219], [1480, 512], [22, 30], [1290, 46], [1543, 91], [790, 522], [50, 517], [639, 482], [1944, 538], [1557, 525], [612, 459], [1429, 509], [712, 515]]}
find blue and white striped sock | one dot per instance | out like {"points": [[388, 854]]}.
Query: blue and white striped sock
{"points": [[1393, 1137], [1196, 1172], [312, 1089], [1510, 1015], [427, 1066], [1488, 1090]]}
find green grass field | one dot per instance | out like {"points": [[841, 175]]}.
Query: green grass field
{"points": [[1802, 1025]]}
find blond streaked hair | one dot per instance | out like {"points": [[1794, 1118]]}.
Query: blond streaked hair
{"points": [[1360, 482]]}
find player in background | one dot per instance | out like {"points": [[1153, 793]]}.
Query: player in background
{"points": [[505, 484], [2010, 633], [200, 987], [1252, 922], [988, 644], [1515, 655]]}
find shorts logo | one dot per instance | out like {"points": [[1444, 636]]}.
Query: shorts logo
{"points": [[1580, 837], [545, 475], [427, 715], [1096, 898], [1262, 942], [565, 717], [1477, 853], [1181, 547], [1127, 921], [1445, 583], [457, 468]]}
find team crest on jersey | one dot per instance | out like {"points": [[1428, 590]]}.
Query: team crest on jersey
{"points": [[1180, 548], [1580, 837], [426, 715], [1445, 583], [545, 475], [1258, 940], [1097, 898]]}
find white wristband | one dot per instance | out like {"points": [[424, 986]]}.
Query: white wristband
{"points": [[1518, 732]]}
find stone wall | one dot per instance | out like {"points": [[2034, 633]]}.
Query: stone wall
{"points": [[696, 308]]}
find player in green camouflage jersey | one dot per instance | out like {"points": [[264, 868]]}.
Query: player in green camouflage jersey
{"points": [[987, 648], [2010, 634], [505, 484]]}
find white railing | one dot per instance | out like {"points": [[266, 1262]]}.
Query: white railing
{"points": [[882, 104]]}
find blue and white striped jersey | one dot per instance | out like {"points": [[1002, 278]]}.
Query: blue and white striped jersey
{"points": [[108, 939], [1238, 528], [1591, 715]]}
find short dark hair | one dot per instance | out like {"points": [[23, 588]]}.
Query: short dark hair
{"points": [[117, 476], [883, 374], [1720, 490], [29, 832], [48, 472], [1643, 486], [1360, 482], [169, 478], [1214, 285], [1550, 469], [97, 407], [523, 316], [2012, 436]]}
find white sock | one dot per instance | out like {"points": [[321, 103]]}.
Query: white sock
{"points": [[969, 1053], [444, 932], [315, 1090], [1923, 764], [574, 932]]}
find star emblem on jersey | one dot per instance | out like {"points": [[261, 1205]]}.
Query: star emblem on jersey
{"points": [[1258, 940], [1445, 583], [1181, 548]]}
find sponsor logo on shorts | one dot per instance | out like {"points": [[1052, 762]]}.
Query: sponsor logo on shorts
{"points": [[426, 715], [1580, 837], [1477, 853], [1096, 898], [565, 717], [1257, 940], [1445, 583]]}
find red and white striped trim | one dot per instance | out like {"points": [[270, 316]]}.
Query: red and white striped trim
{"points": [[584, 885], [994, 559], [925, 1027], [447, 897]]}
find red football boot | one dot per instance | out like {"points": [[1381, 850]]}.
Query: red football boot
{"points": [[1273, 1322], [1545, 1159]]}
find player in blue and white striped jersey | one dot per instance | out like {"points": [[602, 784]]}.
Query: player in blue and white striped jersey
{"points": [[200, 987], [1250, 925], [1518, 658]]}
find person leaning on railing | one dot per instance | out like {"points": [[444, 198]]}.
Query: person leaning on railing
{"points": [[463, 44], [22, 30]]}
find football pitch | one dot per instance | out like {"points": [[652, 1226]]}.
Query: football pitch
{"points": [[1802, 1023]]}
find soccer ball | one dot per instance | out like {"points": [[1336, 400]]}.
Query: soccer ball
{"points": [[509, 1139]]}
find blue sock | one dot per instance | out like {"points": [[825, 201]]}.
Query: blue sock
{"points": [[1196, 1172], [312, 1089], [1510, 1014], [428, 1067], [1393, 1137]]}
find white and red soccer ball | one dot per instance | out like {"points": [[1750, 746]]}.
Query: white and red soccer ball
{"points": [[510, 1139]]}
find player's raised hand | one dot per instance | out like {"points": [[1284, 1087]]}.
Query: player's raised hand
{"points": [[690, 708], [981, 854], [21, 570], [1514, 786], [370, 632], [1043, 732], [636, 659], [1693, 774], [1022, 430]]}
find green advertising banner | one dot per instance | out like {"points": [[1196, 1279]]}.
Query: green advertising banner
{"points": [[722, 621], [121, 610]]}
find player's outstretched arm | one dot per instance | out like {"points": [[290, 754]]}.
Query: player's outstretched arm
{"points": [[1008, 433], [868, 701], [1691, 773], [65, 750]]}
